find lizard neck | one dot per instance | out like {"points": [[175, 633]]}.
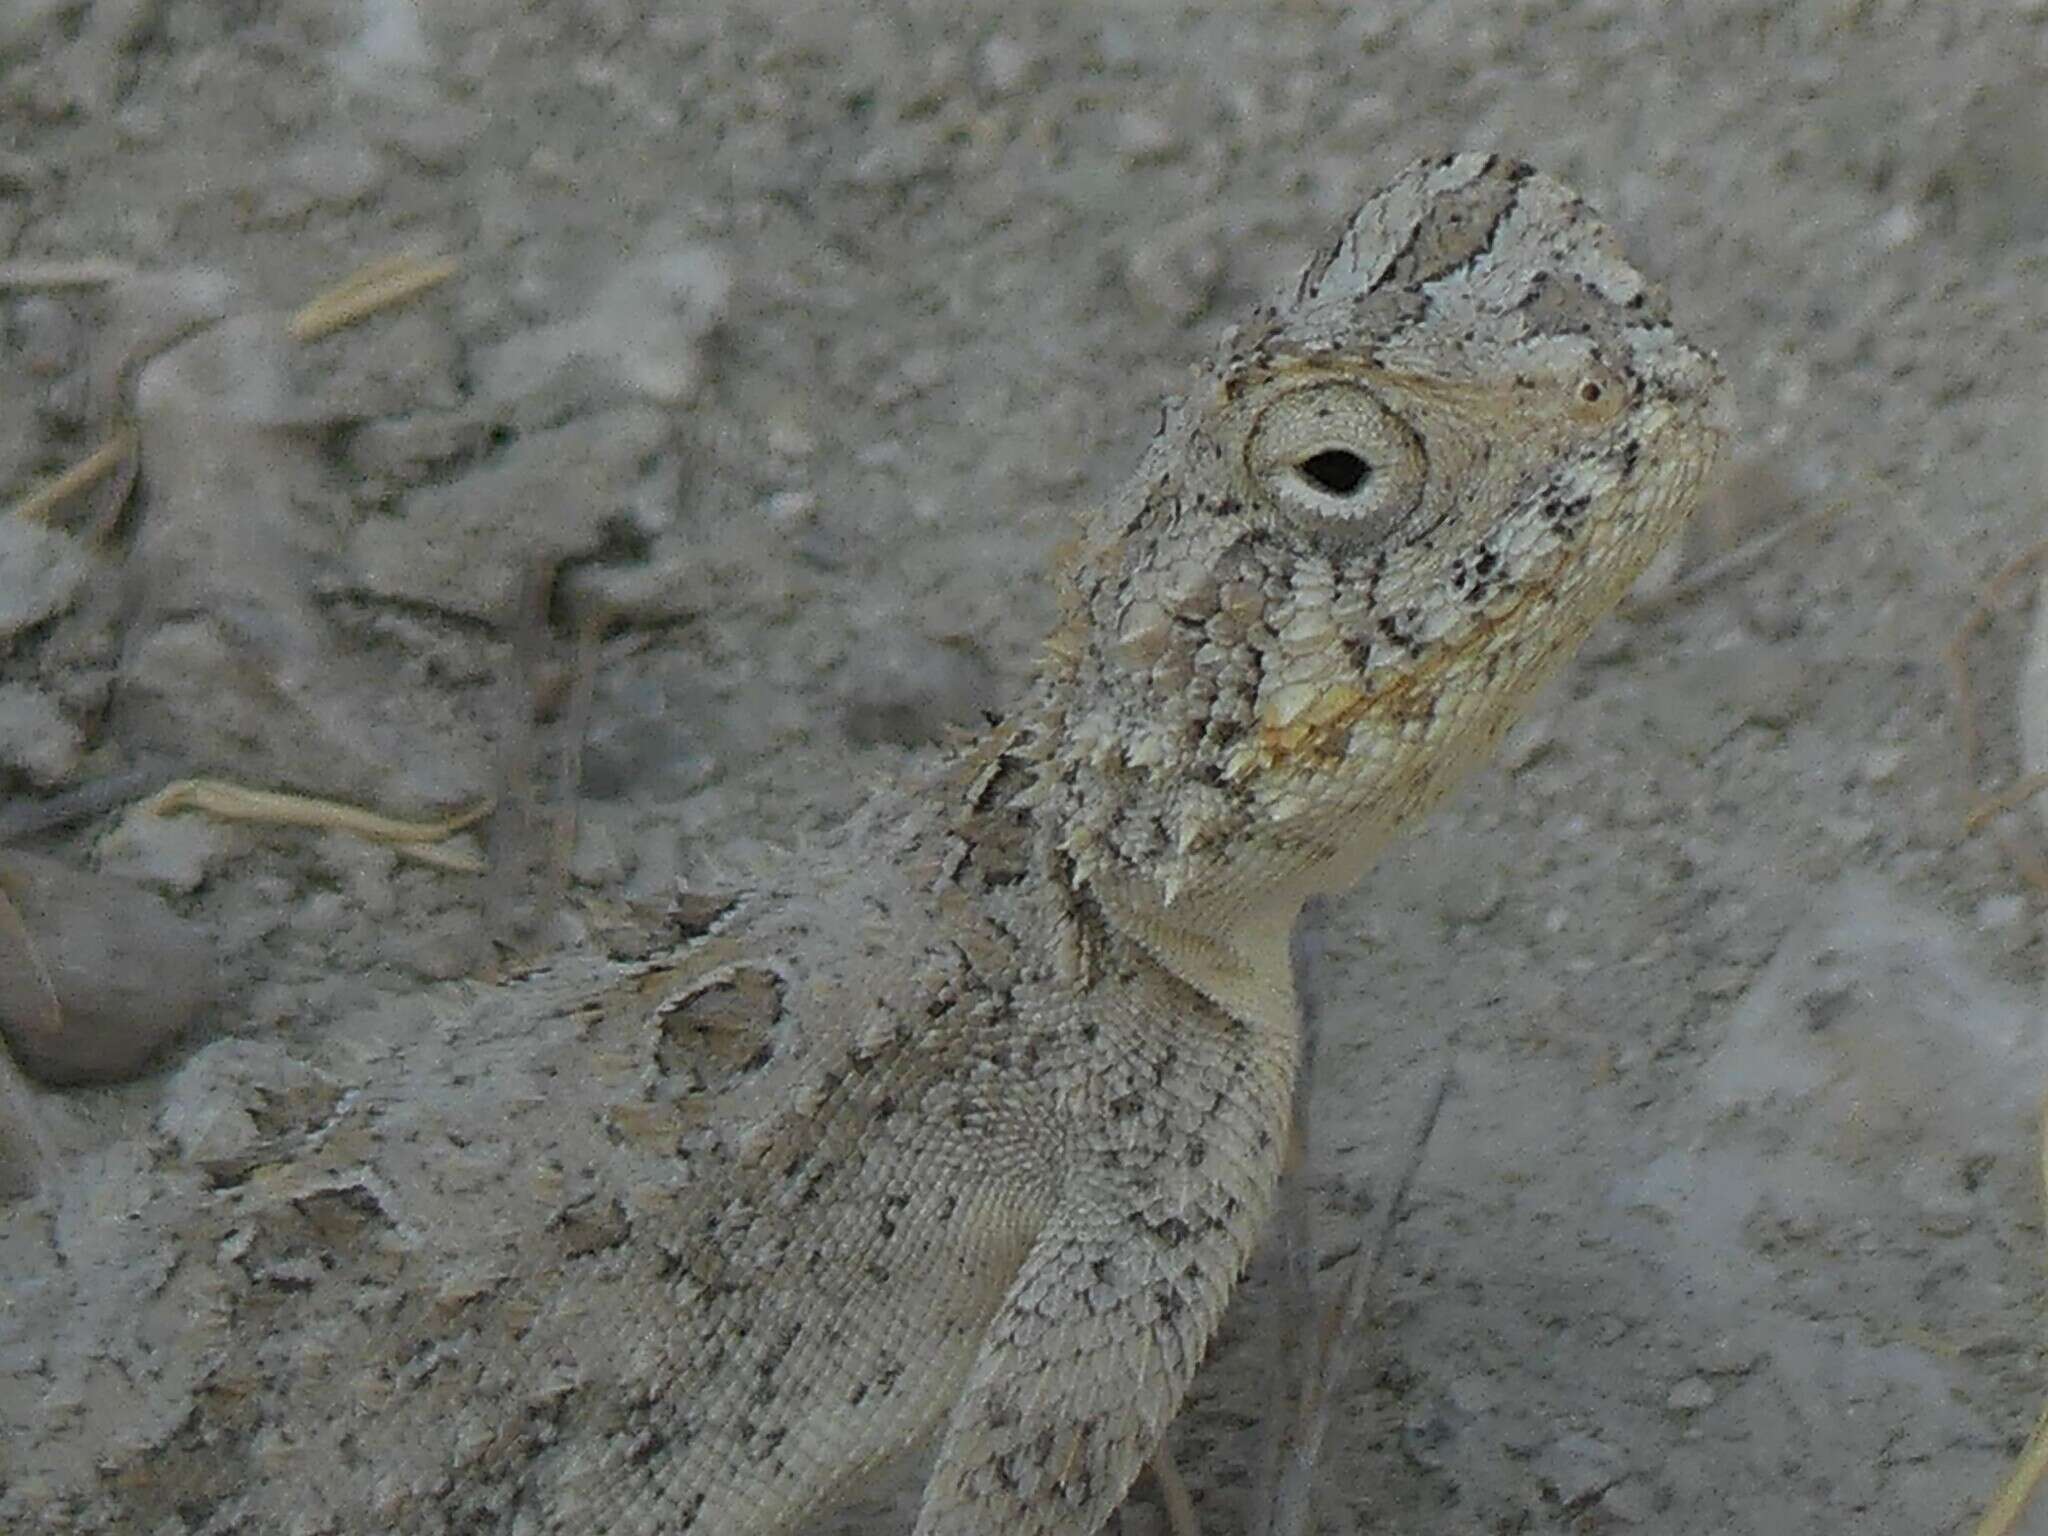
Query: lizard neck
{"points": [[1238, 958]]}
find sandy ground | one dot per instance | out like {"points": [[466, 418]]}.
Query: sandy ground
{"points": [[792, 332]]}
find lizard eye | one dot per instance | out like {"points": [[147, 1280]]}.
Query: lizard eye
{"points": [[1331, 455], [1334, 471]]}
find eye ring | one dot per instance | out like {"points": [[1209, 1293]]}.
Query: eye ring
{"points": [[1332, 458]]}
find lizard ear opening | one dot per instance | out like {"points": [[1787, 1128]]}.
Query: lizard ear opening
{"points": [[1330, 455]]}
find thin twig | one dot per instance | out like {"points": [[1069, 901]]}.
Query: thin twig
{"points": [[32, 818], [2012, 1499], [527, 880], [38, 505], [64, 274], [377, 286], [1291, 1507], [2013, 794], [1295, 1224], [235, 802], [1173, 1492], [575, 740], [2026, 1475], [1955, 656], [1743, 557]]}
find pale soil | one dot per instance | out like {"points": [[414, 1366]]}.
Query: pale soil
{"points": [[1732, 1220]]}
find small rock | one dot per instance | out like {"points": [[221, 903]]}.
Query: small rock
{"points": [[47, 334], [338, 169], [20, 174], [644, 333], [466, 547], [233, 1096], [596, 860], [1140, 137], [129, 975], [438, 955], [363, 869], [413, 447], [1630, 1501], [1691, 1395], [1528, 742], [1177, 270], [409, 361], [1004, 64], [35, 736], [435, 136], [41, 571], [900, 155], [1998, 913], [1426, 1435], [1474, 1393], [785, 509], [1577, 1468], [173, 853], [1467, 895], [909, 690]]}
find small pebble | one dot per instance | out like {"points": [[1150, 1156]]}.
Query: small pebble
{"points": [[596, 861], [1177, 270], [41, 570], [1630, 1501], [1142, 137], [1690, 1395], [1997, 913], [35, 736], [129, 974], [1004, 64], [46, 334], [1577, 1468], [173, 853]]}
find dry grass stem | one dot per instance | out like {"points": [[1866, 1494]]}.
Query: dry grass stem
{"points": [[1956, 654], [97, 273], [1294, 1226], [1337, 1340], [2017, 793], [1745, 556], [2002, 1517], [1173, 1492], [2025, 858], [417, 840], [377, 286], [38, 505]]}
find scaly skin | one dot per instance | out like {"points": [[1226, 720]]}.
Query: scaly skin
{"points": [[967, 1119]]}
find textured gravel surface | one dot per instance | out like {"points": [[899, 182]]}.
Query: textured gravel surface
{"points": [[789, 334]]}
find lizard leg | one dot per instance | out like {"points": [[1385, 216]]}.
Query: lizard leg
{"points": [[1080, 1372]]}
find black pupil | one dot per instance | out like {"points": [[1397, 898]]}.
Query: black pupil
{"points": [[1336, 471]]}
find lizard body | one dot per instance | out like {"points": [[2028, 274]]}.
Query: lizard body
{"points": [[964, 1121]]}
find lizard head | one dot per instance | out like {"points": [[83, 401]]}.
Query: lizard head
{"points": [[1388, 512]]}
